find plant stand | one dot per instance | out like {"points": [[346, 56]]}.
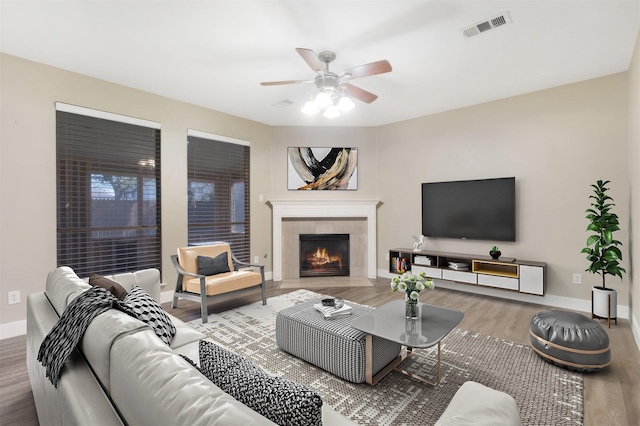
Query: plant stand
{"points": [[608, 317]]}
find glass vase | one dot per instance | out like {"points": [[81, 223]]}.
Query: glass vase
{"points": [[411, 308]]}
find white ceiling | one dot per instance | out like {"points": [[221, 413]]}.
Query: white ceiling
{"points": [[216, 53]]}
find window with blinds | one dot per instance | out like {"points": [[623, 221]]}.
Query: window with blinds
{"points": [[108, 195], [218, 194]]}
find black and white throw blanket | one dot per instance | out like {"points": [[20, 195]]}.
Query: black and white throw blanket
{"points": [[69, 330]]}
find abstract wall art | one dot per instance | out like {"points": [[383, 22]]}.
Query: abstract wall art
{"points": [[322, 168]]}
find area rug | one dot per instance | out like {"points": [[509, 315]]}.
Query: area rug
{"points": [[323, 282], [545, 394]]}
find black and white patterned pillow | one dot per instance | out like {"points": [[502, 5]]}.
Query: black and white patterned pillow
{"points": [[280, 400], [150, 312]]}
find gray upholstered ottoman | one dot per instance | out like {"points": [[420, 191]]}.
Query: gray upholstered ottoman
{"points": [[570, 340], [331, 344]]}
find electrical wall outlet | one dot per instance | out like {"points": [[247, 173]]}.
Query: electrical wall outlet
{"points": [[577, 279], [14, 297], [256, 259]]}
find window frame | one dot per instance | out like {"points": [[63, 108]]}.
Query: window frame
{"points": [[200, 169], [89, 142]]}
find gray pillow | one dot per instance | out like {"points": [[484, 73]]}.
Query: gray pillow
{"points": [[280, 400], [213, 265]]}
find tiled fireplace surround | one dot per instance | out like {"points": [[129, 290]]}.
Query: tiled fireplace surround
{"points": [[292, 218]]}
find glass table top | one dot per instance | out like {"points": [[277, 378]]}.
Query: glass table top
{"points": [[388, 321]]}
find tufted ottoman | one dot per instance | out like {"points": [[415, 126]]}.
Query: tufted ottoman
{"points": [[570, 340], [331, 344]]}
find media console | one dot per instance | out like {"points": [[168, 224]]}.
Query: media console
{"points": [[503, 273]]}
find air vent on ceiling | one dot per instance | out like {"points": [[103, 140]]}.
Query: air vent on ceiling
{"points": [[283, 104], [489, 24]]}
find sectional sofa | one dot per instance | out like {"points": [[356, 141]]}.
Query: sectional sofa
{"points": [[122, 373]]}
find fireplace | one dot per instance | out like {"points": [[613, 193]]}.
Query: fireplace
{"points": [[324, 255], [287, 213]]}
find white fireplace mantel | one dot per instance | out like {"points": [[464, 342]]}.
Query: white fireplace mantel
{"points": [[323, 209]]}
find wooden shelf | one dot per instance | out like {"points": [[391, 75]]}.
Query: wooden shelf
{"points": [[505, 273], [499, 269]]}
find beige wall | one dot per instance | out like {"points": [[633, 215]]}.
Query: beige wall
{"points": [[556, 143], [27, 167], [633, 261]]}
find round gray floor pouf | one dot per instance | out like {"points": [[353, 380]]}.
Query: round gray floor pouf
{"points": [[570, 340]]}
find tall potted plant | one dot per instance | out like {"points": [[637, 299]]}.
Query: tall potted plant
{"points": [[602, 250]]}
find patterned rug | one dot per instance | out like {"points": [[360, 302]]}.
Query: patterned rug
{"points": [[545, 394]]}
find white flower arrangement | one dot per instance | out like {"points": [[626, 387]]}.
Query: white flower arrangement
{"points": [[411, 284]]}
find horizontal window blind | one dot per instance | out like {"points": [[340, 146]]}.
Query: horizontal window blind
{"points": [[218, 194], [108, 195]]}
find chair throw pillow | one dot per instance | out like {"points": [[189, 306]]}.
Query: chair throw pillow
{"points": [[150, 312], [280, 400], [213, 265], [114, 288]]}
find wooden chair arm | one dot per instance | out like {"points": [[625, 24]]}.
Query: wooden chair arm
{"points": [[174, 259], [237, 263]]}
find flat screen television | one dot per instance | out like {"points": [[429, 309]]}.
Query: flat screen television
{"points": [[482, 209]]}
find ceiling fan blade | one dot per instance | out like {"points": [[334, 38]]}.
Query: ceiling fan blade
{"points": [[279, 83], [373, 68], [360, 94], [311, 59]]}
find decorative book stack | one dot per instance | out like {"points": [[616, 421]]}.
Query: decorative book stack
{"points": [[330, 312], [459, 266]]}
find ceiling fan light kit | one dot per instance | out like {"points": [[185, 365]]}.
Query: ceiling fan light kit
{"points": [[334, 91]]}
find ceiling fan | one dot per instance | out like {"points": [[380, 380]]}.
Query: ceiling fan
{"points": [[336, 86]]}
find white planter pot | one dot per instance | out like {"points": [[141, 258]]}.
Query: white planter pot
{"points": [[601, 302]]}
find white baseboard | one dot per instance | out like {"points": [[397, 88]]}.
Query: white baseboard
{"points": [[13, 329]]}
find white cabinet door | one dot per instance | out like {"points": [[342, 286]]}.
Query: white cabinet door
{"points": [[430, 272], [463, 277], [499, 282], [532, 279]]}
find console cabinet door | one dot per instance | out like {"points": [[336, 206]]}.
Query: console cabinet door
{"points": [[532, 279], [430, 272], [499, 282], [463, 277]]}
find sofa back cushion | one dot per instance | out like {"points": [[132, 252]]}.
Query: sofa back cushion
{"points": [[112, 286], [153, 385], [63, 285], [146, 279], [188, 257], [100, 336]]}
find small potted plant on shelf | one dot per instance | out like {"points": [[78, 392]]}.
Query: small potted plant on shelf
{"points": [[602, 251], [495, 252]]}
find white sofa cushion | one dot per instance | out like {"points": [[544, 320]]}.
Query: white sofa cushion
{"points": [[477, 405], [63, 285], [152, 385], [185, 335], [99, 337], [146, 279]]}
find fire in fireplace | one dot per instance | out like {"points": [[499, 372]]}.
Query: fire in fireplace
{"points": [[324, 255]]}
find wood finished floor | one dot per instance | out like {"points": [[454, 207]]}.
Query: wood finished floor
{"points": [[611, 397]]}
